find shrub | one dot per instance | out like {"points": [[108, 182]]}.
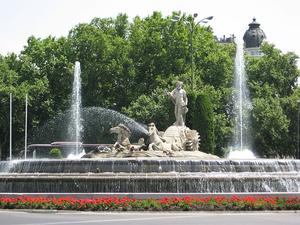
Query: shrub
{"points": [[200, 118], [55, 153]]}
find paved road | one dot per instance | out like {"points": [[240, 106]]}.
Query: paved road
{"points": [[148, 218]]}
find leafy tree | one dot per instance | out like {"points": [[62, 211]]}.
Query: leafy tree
{"points": [[124, 66], [271, 128], [156, 108], [107, 71], [50, 58], [278, 71], [291, 108], [13, 80], [272, 82]]}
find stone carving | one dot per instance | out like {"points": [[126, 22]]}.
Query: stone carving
{"points": [[192, 140], [182, 138], [175, 138], [123, 133], [157, 143], [179, 98], [177, 141]]}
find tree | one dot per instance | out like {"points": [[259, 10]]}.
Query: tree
{"points": [[156, 108], [14, 79], [271, 127], [50, 58], [125, 66], [272, 83], [201, 119], [278, 71], [107, 72]]}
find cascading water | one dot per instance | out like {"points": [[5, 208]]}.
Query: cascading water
{"points": [[150, 175], [242, 107], [75, 125]]}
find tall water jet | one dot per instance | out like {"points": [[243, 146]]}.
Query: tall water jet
{"points": [[75, 125], [242, 107]]}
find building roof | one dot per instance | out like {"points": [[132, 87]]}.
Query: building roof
{"points": [[254, 36]]}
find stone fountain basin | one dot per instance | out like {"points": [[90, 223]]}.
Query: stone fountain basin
{"points": [[148, 165], [171, 182], [155, 175]]}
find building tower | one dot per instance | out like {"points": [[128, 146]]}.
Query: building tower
{"points": [[253, 38]]}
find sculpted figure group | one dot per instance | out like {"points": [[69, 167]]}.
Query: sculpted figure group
{"points": [[176, 139]]}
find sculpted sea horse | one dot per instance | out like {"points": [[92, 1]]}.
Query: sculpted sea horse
{"points": [[158, 143], [123, 133]]}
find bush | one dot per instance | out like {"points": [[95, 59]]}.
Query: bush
{"points": [[55, 153], [200, 118]]}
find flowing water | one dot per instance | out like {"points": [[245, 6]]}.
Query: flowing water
{"points": [[75, 126], [151, 175], [96, 122], [241, 146]]}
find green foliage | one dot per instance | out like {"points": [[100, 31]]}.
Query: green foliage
{"points": [[107, 72], [14, 79], [278, 71], [55, 153], [200, 118], [127, 65], [155, 108], [271, 128], [272, 82]]}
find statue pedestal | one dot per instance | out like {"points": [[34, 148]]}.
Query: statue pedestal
{"points": [[176, 135], [182, 137]]}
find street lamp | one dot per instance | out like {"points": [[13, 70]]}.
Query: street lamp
{"points": [[191, 25], [298, 153]]}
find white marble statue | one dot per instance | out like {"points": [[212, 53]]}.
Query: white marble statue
{"points": [[179, 98]]}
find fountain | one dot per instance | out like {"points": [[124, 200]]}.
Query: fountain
{"points": [[242, 106], [169, 163], [96, 122], [75, 124], [150, 175]]}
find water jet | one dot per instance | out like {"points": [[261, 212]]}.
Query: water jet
{"points": [[241, 147]]}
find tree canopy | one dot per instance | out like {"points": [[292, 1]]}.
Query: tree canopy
{"points": [[272, 83]]}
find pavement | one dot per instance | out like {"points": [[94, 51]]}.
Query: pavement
{"points": [[53, 217]]}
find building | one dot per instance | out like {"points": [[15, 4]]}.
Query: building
{"points": [[253, 39]]}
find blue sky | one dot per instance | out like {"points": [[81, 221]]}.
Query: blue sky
{"points": [[20, 19]]}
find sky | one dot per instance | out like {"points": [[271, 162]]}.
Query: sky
{"points": [[20, 19]]}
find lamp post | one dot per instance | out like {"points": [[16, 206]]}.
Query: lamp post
{"points": [[298, 153], [26, 123], [10, 126], [191, 25]]}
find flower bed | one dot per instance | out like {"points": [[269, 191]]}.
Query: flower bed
{"points": [[164, 204]]}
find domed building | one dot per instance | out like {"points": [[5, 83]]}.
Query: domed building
{"points": [[253, 38]]}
